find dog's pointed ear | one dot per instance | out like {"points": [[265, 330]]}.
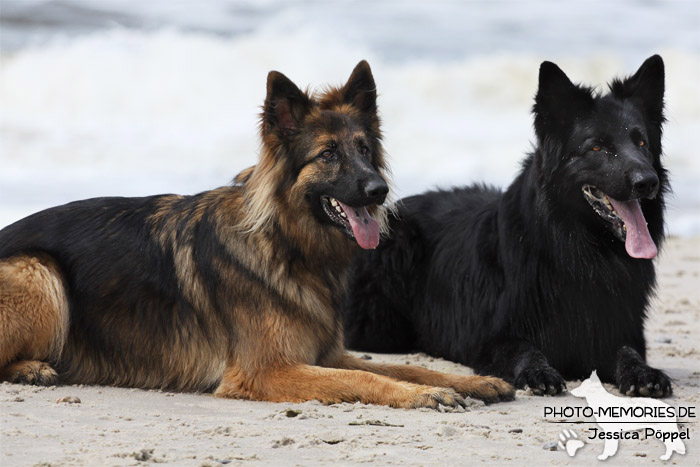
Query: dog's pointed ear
{"points": [[558, 101], [646, 85], [285, 105], [552, 79], [360, 90], [594, 376]]}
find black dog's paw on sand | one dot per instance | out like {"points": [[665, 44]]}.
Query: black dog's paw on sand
{"points": [[637, 379], [541, 379]]}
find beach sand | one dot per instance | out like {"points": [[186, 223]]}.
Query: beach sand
{"points": [[115, 426]]}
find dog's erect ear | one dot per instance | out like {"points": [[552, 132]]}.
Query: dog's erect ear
{"points": [[360, 90], [646, 85], [285, 105], [558, 101]]}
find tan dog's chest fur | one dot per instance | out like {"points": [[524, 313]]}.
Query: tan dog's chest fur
{"points": [[234, 290]]}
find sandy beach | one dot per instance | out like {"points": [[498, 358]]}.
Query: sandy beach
{"points": [[116, 426]]}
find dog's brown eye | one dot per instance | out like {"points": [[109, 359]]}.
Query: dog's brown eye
{"points": [[596, 148], [364, 150], [642, 143], [326, 154]]}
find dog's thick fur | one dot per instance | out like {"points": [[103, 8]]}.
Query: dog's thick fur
{"points": [[233, 290], [537, 282]]}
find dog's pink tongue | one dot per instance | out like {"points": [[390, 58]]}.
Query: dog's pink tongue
{"points": [[365, 229], [638, 242]]}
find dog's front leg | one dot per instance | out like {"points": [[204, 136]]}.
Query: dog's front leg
{"points": [[520, 363], [635, 378], [486, 388], [299, 383]]}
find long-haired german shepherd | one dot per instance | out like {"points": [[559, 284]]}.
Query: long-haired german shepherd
{"points": [[233, 290], [550, 278]]}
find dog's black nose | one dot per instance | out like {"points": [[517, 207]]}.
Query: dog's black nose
{"points": [[376, 190], [644, 185]]}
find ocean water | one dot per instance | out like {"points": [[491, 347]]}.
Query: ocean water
{"points": [[130, 98]]}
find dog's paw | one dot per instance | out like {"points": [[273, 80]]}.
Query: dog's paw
{"points": [[486, 388], [30, 372], [437, 398], [644, 381], [635, 378], [541, 380]]}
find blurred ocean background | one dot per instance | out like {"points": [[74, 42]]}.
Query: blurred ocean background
{"points": [[135, 97]]}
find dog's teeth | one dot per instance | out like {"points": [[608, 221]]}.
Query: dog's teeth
{"points": [[342, 214], [334, 202], [339, 209]]}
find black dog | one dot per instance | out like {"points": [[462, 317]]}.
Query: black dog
{"points": [[551, 278]]}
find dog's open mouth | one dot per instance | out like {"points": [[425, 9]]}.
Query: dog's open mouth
{"points": [[356, 222], [627, 221]]}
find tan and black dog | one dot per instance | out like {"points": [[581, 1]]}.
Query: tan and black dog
{"points": [[233, 290]]}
